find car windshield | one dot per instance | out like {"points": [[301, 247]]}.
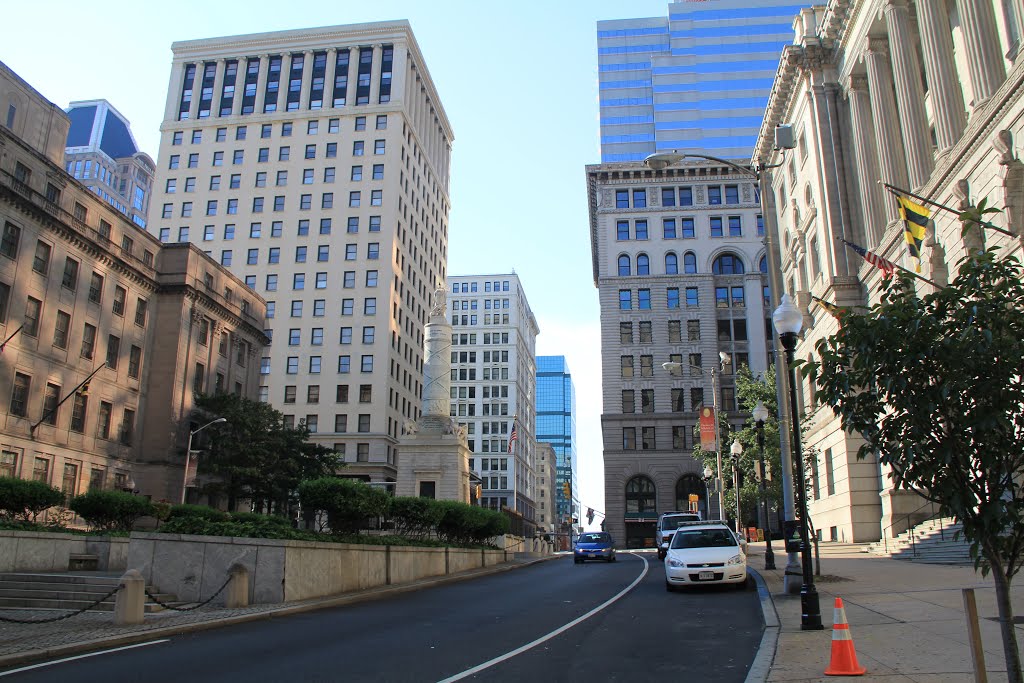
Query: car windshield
{"points": [[703, 538], [671, 523], [595, 538]]}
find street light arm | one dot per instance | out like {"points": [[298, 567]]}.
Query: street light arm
{"points": [[212, 422]]}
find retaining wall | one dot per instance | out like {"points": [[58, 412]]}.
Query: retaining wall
{"points": [[35, 551]]}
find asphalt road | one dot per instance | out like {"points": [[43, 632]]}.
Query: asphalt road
{"points": [[553, 621]]}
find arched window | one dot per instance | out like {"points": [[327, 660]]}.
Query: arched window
{"points": [[643, 265], [689, 263], [671, 264], [640, 497], [687, 485], [624, 267], [763, 264], [727, 264]]}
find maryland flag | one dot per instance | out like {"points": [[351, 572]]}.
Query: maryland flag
{"points": [[915, 223], [835, 311]]}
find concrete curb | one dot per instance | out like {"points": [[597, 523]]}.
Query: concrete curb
{"points": [[156, 633], [762, 664]]}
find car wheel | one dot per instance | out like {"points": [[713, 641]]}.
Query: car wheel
{"points": [[576, 560], [611, 559], [669, 587], [742, 585]]}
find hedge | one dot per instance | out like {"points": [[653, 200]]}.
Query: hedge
{"points": [[348, 503], [24, 499], [111, 510]]}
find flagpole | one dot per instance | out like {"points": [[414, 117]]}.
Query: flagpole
{"points": [[983, 224], [4, 344], [893, 264], [32, 429]]}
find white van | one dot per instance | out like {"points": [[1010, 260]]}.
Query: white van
{"points": [[668, 522]]}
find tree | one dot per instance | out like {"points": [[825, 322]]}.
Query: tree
{"points": [[255, 456], [935, 385], [348, 503]]}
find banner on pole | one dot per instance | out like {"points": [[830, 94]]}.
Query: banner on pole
{"points": [[707, 429], [190, 468]]}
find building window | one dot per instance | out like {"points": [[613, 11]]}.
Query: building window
{"points": [[33, 312], [19, 394]]}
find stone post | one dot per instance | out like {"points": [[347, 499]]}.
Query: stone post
{"points": [[947, 97], [130, 603], [909, 93], [237, 593]]}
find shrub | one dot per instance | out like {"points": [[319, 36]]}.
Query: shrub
{"points": [[415, 516], [348, 503], [111, 510], [250, 527], [260, 519], [23, 499], [463, 524], [198, 511]]}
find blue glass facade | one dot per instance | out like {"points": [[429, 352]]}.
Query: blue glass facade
{"points": [[556, 425], [695, 80]]}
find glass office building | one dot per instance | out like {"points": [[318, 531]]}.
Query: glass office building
{"points": [[695, 81], [556, 425]]}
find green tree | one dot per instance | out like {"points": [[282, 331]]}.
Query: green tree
{"points": [[348, 503], [255, 456], [111, 510], [24, 499], [934, 385]]}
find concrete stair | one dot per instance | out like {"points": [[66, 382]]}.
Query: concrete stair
{"points": [[934, 541], [67, 591]]}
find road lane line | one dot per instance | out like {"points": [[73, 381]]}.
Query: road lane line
{"points": [[90, 654], [558, 631]]}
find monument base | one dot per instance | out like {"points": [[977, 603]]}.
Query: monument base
{"points": [[433, 462]]}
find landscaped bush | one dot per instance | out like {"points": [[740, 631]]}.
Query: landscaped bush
{"points": [[415, 516], [111, 510], [464, 524], [198, 511], [247, 527], [260, 519], [348, 503], [23, 499]]}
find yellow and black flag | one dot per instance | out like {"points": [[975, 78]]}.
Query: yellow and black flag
{"points": [[835, 311], [915, 224]]}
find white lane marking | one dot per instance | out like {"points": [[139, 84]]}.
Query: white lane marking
{"points": [[558, 631], [90, 654]]}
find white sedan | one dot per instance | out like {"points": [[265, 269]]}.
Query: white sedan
{"points": [[704, 553]]}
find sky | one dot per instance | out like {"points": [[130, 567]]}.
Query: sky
{"points": [[518, 81]]}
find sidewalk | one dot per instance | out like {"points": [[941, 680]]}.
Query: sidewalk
{"points": [[906, 619]]}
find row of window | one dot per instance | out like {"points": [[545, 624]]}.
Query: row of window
{"points": [[726, 264], [489, 286], [677, 196], [285, 130], [69, 483], [313, 394], [284, 153], [316, 336], [355, 200], [725, 297], [627, 363], [323, 255], [677, 400], [685, 228], [473, 319], [49, 411], [319, 307], [488, 337], [348, 280], [471, 304], [315, 364], [261, 179], [276, 229], [728, 330]]}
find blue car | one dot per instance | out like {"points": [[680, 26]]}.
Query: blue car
{"points": [[596, 545]]}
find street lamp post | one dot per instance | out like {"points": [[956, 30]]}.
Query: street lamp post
{"points": [[736, 450], [188, 453], [760, 414], [784, 140], [788, 320]]}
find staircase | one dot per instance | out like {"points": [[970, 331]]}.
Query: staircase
{"points": [[67, 591], [931, 542]]}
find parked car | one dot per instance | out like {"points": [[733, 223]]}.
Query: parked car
{"points": [[742, 540], [667, 523], [594, 545], [704, 552]]}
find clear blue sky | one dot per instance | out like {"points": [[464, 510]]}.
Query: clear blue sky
{"points": [[517, 79]]}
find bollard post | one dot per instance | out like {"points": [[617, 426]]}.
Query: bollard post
{"points": [[238, 589], [974, 635], [130, 604]]}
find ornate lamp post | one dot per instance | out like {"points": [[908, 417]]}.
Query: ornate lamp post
{"points": [[736, 449], [760, 414], [788, 320]]}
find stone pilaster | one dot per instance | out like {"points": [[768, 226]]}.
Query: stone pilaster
{"points": [[332, 63], [353, 76], [218, 88], [240, 73], [378, 55], [984, 61], [891, 159], [261, 84], [947, 97], [865, 150], [823, 99], [307, 78], [197, 92], [909, 93]]}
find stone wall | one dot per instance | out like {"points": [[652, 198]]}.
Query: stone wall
{"points": [[32, 551], [194, 567]]}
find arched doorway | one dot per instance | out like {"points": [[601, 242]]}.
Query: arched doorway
{"points": [[641, 512], [691, 484]]}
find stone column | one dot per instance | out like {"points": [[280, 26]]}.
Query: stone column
{"points": [[909, 93], [984, 61], [197, 92], [353, 76], [947, 97], [332, 62], [866, 154], [261, 84], [378, 56], [174, 91], [240, 73], [892, 162], [307, 77], [823, 98], [399, 66], [218, 88]]}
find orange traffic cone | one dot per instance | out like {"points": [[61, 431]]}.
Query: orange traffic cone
{"points": [[844, 657]]}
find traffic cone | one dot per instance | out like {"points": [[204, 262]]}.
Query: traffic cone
{"points": [[844, 657]]}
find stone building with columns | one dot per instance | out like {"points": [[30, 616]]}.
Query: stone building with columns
{"points": [[107, 335], [314, 164], [924, 95]]}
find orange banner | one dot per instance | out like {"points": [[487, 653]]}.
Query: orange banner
{"points": [[707, 429]]}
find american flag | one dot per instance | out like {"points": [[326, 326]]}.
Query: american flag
{"points": [[886, 266], [512, 437]]}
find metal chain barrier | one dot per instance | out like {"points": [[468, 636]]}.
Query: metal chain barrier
{"points": [[63, 616], [188, 609]]}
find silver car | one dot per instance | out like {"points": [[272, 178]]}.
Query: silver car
{"points": [[704, 553]]}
